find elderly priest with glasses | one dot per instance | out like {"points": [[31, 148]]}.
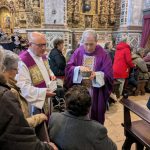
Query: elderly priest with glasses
{"points": [[34, 75]]}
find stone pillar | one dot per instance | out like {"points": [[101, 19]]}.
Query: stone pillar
{"points": [[135, 14], [130, 22], [54, 11], [146, 4]]}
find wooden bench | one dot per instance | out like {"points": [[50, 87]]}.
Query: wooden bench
{"points": [[136, 131]]}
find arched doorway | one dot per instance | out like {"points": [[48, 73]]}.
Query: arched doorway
{"points": [[5, 19]]}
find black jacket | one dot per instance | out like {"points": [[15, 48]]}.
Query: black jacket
{"points": [[57, 62], [15, 133]]}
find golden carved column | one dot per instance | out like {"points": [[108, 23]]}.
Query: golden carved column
{"points": [[95, 21], [112, 11], [69, 12], [104, 12]]}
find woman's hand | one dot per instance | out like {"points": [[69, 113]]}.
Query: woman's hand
{"points": [[53, 78], [43, 117], [49, 93]]}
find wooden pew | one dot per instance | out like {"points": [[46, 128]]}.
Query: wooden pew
{"points": [[136, 131]]}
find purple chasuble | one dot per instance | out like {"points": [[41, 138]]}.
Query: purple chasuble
{"points": [[100, 95], [30, 63]]}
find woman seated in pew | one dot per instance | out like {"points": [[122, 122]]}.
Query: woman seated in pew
{"points": [[137, 59], [141, 71], [73, 129], [15, 132], [10, 70]]}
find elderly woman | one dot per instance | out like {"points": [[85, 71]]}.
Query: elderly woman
{"points": [[15, 133], [10, 70], [137, 59], [57, 60], [73, 129]]}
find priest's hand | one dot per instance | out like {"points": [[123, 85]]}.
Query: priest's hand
{"points": [[84, 69], [53, 78], [49, 93], [93, 75]]}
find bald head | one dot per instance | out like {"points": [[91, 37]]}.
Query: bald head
{"points": [[37, 43], [33, 36]]}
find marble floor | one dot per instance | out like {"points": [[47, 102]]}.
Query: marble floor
{"points": [[114, 118]]}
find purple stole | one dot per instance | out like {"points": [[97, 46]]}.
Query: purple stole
{"points": [[35, 73]]}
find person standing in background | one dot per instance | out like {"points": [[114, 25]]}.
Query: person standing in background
{"points": [[57, 60], [122, 63]]}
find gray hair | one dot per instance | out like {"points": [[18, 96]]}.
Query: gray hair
{"points": [[140, 51], [86, 34], [1, 57], [11, 59]]}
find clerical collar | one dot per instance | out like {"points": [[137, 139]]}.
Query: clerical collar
{"points": [[32, 54]]}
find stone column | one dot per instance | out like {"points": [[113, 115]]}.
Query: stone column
{"points": [[146, 4], [130, 22], [135, 14], [54, 11]]}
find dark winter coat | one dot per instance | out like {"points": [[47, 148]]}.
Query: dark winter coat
{"points": [[15, 133], [57, 62]]}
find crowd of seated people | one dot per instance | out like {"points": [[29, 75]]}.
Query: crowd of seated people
{"points": [[130, 68], [15, 131], [139, 75], [17, 125]]}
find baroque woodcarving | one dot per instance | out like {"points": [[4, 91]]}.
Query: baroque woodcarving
{"points": [[25, 13], [91, 13]]}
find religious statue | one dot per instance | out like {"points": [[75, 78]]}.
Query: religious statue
{"points": [[16, 22], [36, 17], [22, 4], [88, 22], [35, 3], [7, 22]]}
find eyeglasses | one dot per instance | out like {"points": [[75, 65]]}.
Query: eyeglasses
{"points": [[39, 45], [16, 69]]}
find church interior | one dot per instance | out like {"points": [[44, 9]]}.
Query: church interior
{"points": [[113, 20]]}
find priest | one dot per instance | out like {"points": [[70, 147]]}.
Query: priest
{"points": [[91, 58]]}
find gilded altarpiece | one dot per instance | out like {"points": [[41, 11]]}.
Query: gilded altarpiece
{"points": [[97, 14], [7, 15], [101, 15]]}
